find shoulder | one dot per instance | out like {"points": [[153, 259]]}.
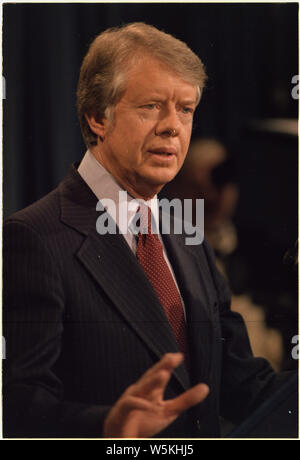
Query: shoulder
{"points": [[44, 215], [39, 216]]}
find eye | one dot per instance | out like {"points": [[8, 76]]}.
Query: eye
{"points": [[149, 106], [187, 110]]}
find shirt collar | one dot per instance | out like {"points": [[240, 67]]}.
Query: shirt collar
{"points": [[104, 186]]}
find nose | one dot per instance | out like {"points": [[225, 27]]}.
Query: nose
{"points": [[168, 124]]}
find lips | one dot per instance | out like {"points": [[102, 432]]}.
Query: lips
{"points": [[163, 154], [164, 151]]}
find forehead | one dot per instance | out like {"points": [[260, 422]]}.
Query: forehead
{"points": [[149, 75]]}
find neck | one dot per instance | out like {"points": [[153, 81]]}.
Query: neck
{"points": [[135, 188]]}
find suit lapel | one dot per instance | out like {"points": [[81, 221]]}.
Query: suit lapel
{"points": [[193, 278], [112, 264]]}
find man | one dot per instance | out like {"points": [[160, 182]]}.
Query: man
{"points": [[93, 343]]}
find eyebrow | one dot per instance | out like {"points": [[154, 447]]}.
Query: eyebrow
{"points": [[189, 101], [157, 98]]}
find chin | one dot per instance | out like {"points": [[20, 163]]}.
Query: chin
{"points": [[160, 177]]}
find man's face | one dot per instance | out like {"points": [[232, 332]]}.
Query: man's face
{"points": [[146, 144]]}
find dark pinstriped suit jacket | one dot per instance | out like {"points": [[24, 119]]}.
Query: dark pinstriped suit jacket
{"points": [[82, 323]]}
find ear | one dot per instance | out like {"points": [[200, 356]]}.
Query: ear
{"points": [[97, 125]]}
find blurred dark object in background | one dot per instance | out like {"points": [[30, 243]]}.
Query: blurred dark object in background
{"points": [[291, 257], [267, 220], [276, 418]]}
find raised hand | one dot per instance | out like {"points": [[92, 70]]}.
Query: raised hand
{"points": [[141, 411]]}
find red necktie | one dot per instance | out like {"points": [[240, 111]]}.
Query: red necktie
{"points": [[150, 255]]}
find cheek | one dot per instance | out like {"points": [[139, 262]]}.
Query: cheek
{"points": [[185, 145], [188, 137], [128, 151]]}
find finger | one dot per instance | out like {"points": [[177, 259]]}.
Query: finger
{"points": [[168, 362], [157, 377], [118, 417], [142, 418], [131, 403], [151, 386], [188, 399]]}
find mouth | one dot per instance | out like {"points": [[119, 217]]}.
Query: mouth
{"points": [[165, 153]]}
